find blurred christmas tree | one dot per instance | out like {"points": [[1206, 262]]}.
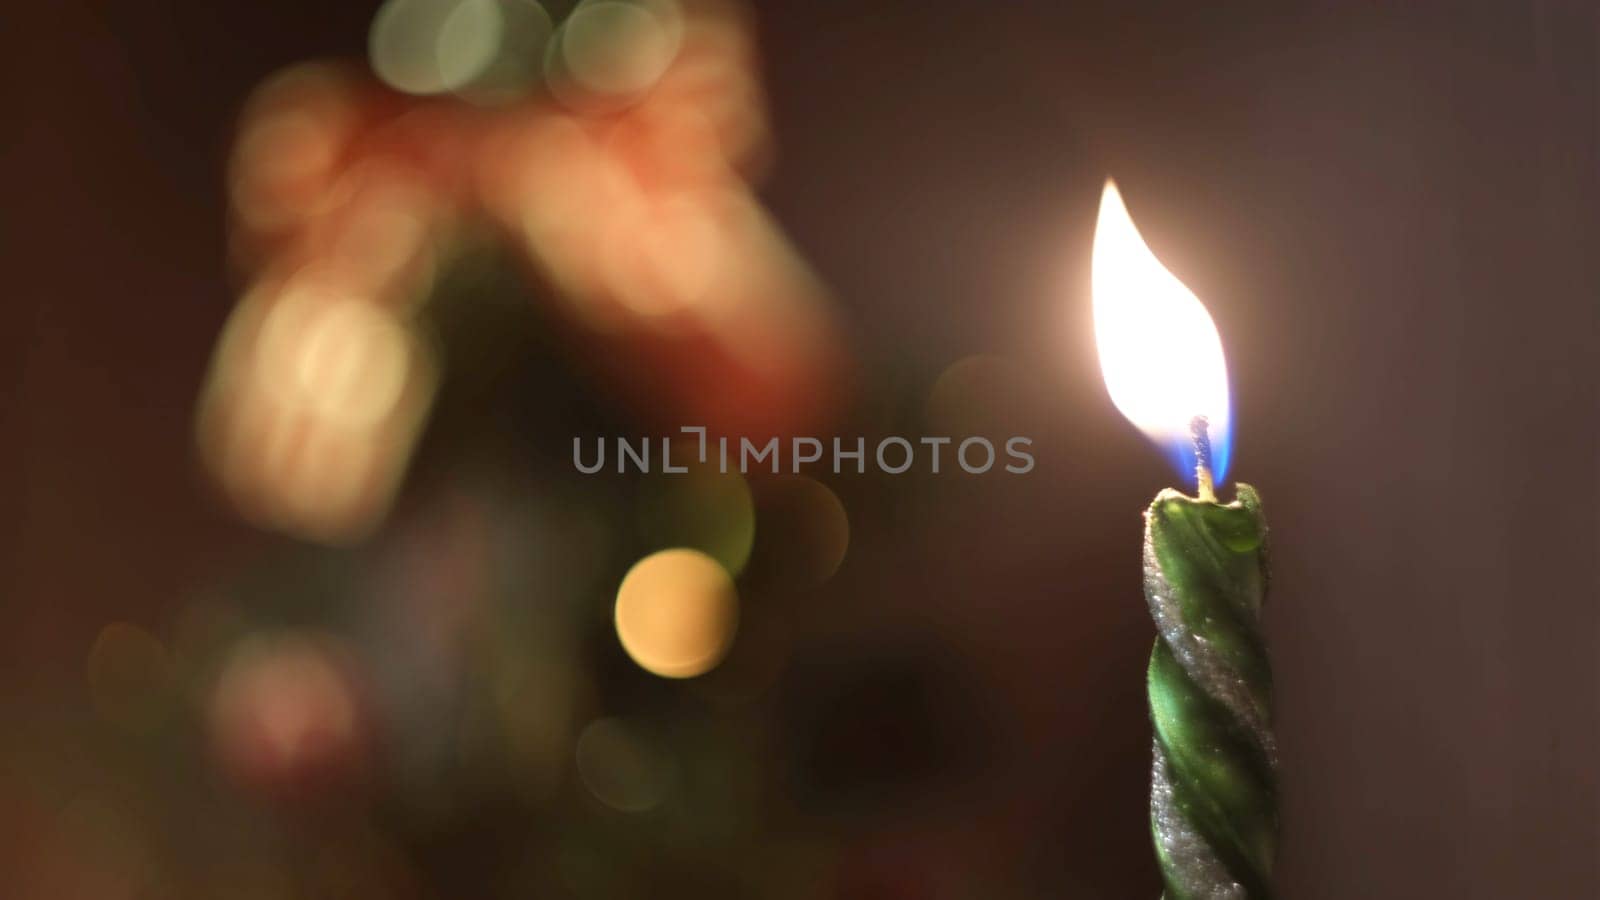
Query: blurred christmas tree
{"points": [[465, 669]]}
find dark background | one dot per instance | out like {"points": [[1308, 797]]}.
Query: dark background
{"points": [[1391, 215]]}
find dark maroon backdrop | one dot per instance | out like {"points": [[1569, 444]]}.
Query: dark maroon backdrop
{"points": [[1391, 215]]}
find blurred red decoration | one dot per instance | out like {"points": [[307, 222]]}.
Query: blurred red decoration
{"points": [[636, 208], [288, 715]]}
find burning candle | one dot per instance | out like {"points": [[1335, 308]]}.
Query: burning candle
{"points": [[1213, 806]]}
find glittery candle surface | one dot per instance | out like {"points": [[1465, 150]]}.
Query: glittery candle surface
{"points": [[1213, 809]]}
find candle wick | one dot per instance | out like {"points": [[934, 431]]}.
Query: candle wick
{"points": [[1198, 430]]}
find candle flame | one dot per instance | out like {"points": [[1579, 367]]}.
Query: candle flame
{"points": [[1159, 350]]}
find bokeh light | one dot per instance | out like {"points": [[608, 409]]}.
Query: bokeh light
{"points": [[295, 130], [403, 44], [130, 673], [535, 696], [515, 41], [804, 534], [622, 767], [312, 409], [617, 47], [468, 42], [286, 711], [379, 240], [981, 395], [102, 848], [676, 613], [703, 509]]}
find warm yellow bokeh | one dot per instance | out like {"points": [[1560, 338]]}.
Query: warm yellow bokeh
{"points": [[313, 407], [676, 613]]}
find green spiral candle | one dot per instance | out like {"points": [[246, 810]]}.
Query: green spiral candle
{"points": [[1213, 785], [1213, 809]]}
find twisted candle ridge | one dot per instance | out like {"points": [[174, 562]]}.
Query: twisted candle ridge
{"points": [[1213, 808]]}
